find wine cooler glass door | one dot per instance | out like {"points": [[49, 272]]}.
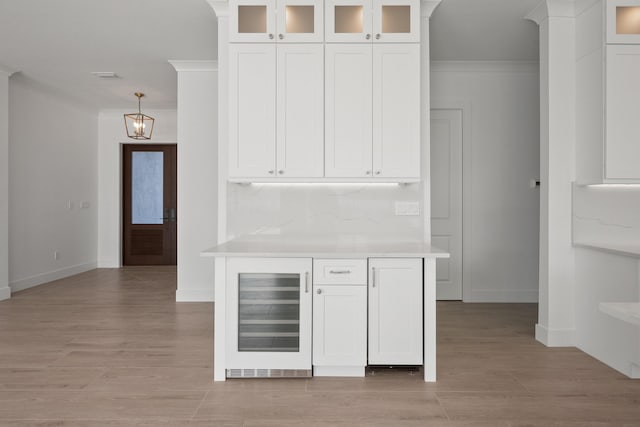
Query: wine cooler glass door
{"points": [[269, 313]]}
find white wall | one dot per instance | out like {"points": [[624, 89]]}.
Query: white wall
{"points": [[501, 134], [197, 177], [52, 169], [5, 291], [111, 135]]}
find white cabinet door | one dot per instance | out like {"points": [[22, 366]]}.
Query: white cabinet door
{"points": [[300, 129], [348, 21], [622, 112], [340, 325], [252, 110], [348, 110], [396, 21], [300, 21], [395, 311], [252, 21], [396, 110], [268, 319]]}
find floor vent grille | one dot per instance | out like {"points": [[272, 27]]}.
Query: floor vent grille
{"points": [[268, 373]]}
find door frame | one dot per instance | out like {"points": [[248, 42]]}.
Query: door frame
{"points": [[121, 193], [464, 105]]}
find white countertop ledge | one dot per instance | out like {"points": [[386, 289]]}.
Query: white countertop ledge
{"points": [[339, 247], [626, 311], [626, 249]]}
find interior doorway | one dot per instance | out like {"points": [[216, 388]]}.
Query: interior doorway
{"points": [[149, 204], [446, 199]]}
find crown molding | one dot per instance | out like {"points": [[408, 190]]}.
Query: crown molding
{"points": [[427, 7], [7, 71], [194, 65], [552, 9], [220, 7]]}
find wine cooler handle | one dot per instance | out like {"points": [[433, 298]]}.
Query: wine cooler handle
{"points": [[306, 282], [373, 277]]}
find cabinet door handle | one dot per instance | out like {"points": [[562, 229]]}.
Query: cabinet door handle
{"points": [[373, 277], [377, 172], [280, 36], [319, 291], [367, 173], [280, 171], [271, 36], [339, 271], [368, 36], [270, 172], [306, 282], [377, 36]]}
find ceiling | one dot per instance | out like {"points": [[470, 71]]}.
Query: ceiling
{"points": [[56, 44]]}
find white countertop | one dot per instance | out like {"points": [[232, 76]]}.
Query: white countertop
{"points": [[323, 247], [626, 311], [627, 249]]}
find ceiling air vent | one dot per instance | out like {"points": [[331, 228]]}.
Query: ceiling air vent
{"points": [[105, 75]]}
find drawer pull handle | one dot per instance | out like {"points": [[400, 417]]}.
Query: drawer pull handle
{"points": [[339, 271]]}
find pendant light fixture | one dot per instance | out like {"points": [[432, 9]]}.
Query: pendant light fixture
{"points": [[138, 125]]}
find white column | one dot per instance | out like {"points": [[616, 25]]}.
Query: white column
{"points": [[556, 312], [197, 176], [5, 291], [426, 9]]}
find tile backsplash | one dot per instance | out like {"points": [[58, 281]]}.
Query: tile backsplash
{"points": [[324, 209]]}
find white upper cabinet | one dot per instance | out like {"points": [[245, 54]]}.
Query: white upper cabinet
{"points": [[366, 21], [622, 126], [372, 111], [623, 21], [349, 111], [300, 112], [276, 110], [252, 110], [282, 21], [396, 111]]}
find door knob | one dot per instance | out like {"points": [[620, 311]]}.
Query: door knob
{"points": [[271, 36], [280, 36], [271, 172], [368, 36], [377, 36], [319, 291], [280, 172]]}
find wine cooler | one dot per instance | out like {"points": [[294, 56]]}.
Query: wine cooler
{"points": [[269, 317]]}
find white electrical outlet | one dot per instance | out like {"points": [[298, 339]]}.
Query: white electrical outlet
{"points": [[84, 205], [410, 208]]}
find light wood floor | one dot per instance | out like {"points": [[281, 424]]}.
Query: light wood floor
{"points": [[112, 348]]}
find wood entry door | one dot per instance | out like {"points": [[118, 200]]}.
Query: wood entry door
{"points": [[149, 204]]}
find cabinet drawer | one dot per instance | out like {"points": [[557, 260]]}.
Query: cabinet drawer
{"points": [[340, 271]]}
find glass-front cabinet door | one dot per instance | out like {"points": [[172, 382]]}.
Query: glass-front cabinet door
{"points": [[270, 21], [252, 21], [348, 21], [396, 21], [372, 21], [299, 21], [269, 313]]}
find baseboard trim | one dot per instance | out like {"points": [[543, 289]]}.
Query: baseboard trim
{"points": [[555, 337], [5, 293], [195, 295], [39, 279], [501, 296]]}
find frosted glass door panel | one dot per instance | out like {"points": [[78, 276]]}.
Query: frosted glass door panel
{"points": [[348, 19], [396, 19], [269, 312], [147, 187], [252, 19], [300, 19]]}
